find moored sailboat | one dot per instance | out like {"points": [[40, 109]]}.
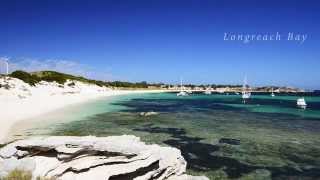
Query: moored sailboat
{"points": [[272, 93], [301, 102], [246, 94], [182, 92], [208, 91]]}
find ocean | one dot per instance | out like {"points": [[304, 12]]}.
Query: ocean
{"points": [[218, 135]]}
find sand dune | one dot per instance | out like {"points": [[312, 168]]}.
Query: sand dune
{"points": [[19, 101]]}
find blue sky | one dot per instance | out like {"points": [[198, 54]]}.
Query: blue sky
{"points": [[160, 41]]}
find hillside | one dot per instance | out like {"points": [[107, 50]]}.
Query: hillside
{"points": [[51, 76]]}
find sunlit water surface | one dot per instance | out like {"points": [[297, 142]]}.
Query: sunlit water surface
{"points": [[273, 138]]}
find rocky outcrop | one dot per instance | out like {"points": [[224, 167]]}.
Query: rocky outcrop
{"points": [[114, 157], [150, 113]]}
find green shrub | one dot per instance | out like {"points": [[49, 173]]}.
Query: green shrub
{"points": [[26, 77], [18, 175], [61, 78], [23, 175], [51, 76], [56, 78], [33, 78], [44, 178], [71, 84]]}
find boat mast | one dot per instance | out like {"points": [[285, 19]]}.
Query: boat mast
{"points": [[181, 84], [244, 87]]}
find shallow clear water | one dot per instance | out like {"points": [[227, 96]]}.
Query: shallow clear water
{"points": [[277, 139]]}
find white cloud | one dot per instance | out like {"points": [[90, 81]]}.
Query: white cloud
{"points": [[64, 66]]}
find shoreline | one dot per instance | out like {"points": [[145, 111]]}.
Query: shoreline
{"points": [[24, 102], [35, 107]]}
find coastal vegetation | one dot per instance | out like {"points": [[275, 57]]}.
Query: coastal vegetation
{"points": [[26, 77], [18, 174], [33, 78], [50, 76]]}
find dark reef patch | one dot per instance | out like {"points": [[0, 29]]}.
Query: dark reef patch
{"points": [[199, 156]]}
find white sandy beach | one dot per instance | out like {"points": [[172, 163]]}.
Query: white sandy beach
{"points": [[23, 101]]}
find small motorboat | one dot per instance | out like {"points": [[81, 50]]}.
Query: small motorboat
{"points": [[301, 102], [182, 93], [246, 95], [207, 92]]}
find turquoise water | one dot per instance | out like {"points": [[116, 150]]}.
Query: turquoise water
{"points": [[219, 136]]}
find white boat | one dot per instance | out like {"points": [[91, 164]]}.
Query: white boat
{"points": [[221, 91], [301, 102], [208, 91], [246, 94], [272, 93], [189, 91], [182, 93]]}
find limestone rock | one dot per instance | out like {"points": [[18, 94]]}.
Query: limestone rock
{"points": [[7, 152], [151, 113], [89, 157], [188, 177]]}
